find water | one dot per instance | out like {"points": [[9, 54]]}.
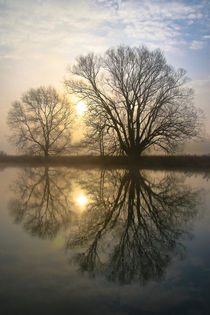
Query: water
{"points": [[104, 242]]}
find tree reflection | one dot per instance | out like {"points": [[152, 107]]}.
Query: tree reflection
{"points": [[42, 204], [132, 225]]}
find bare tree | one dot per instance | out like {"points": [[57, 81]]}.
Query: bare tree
{"points": [[141, 99], [41, 122]]}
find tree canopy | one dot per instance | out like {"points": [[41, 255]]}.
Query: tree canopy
{"points": [[136, 101], [40, 122]]}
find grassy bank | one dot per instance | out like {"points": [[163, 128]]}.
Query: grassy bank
{"points": [[146, 162]]}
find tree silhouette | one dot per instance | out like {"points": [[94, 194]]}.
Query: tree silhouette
{"points": [[132, 226], [41, 122], [42, 204], [136, 101]]}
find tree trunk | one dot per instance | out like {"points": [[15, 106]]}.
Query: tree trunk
{"points": [[46, 154], [134, 153]]}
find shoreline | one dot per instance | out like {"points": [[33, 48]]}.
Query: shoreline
{"points": [[185, 162]]}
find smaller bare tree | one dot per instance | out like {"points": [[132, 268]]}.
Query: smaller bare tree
{"points": [[41, 122]]}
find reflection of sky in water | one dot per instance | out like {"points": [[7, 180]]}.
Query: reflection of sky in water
{"points": [[36, 277]]}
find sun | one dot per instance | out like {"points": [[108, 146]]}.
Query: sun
{"points": [[81, 107], [82, 200]]}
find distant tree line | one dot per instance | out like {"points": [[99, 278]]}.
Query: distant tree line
{"points": [[135, 102]]}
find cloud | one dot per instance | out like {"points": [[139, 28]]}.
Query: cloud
{"points": [[52, 27], [206, 37], [55, 27], [163, 23], [196, 44]]}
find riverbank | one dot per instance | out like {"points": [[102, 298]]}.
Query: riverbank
{"points": [[145, 162]]}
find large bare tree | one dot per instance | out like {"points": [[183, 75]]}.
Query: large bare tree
{"points": [[40, 122], [135, 99]]}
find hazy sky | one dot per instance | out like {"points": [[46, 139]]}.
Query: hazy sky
{"points": [[40, 38]]}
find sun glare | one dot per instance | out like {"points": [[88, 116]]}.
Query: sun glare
{"points": [[81, 107], [82, 200]]}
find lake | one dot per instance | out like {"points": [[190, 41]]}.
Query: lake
{"points": [[115, 241]]}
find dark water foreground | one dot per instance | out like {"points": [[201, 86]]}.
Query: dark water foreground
{"points": [[104, 241]]}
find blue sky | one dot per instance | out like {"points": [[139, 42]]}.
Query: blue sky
{"points": [[40, 38]]}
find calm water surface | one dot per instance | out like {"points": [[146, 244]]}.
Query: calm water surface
{"points": [[104, 242]]}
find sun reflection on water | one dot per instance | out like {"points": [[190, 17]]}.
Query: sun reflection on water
{"points": [[82, 200]]}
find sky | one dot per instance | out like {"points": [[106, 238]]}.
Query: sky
{"points": [[39, 39]]}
